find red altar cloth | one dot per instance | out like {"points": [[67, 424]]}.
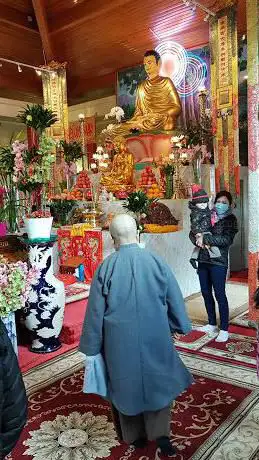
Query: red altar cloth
{"points": [[149, 147], [88, 246]]}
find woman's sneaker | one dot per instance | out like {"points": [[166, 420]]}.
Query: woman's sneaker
{"points": [[222, 337], [208, 329]]}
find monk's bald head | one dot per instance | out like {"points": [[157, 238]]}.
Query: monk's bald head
{"points": [[123, 229]]}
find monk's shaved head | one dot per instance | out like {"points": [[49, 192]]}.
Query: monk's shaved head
{"points": [[123, 229]]}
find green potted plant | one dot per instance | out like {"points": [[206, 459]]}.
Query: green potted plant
{"points": [[138, 203], [72, 151], [37, 118], [61, 209]]}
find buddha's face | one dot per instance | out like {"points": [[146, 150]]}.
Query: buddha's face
{"points": [[151, 66], [119, 144]]}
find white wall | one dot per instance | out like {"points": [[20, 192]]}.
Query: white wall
{"points": [[239, 250], [9, 130], [10, 108], [98, 107]]}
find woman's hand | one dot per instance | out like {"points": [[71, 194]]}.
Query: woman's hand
{"points": [[199, 241]]}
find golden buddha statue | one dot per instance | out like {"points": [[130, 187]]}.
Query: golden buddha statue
{"points": [[157, 102], [120, 178]]}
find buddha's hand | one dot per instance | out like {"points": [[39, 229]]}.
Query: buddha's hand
{"points": [[138, 123]]}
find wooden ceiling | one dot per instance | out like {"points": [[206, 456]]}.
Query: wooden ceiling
{"points": [[95, 38]]}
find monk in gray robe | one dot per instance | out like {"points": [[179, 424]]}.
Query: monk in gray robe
{"points": [[134, 307]]}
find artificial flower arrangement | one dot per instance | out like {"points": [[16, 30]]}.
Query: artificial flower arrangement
{"points": [[27, 168], [33, 163], [72, 152], [16, 280], [117, 113], [32, 167], [101, 159]]}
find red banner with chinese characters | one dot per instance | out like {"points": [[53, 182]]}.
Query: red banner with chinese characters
{"points": [[89, 247], [84, 131], [75, 133]]}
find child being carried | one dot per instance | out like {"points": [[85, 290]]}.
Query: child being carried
{"points": [[201, 222]]}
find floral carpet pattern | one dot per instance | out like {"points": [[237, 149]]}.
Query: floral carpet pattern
{"points": [[66, 424], [73, 437], [216, 419]]}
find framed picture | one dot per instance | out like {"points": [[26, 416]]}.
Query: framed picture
{"points": [[127, 82]]}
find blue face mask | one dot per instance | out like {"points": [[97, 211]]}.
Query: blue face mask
{"points": [[221, 208]]}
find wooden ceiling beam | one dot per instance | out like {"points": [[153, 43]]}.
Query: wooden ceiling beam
{"points": [[16, 18], [85, 12], [41, 17]]}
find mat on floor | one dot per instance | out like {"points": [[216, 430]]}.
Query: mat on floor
{"points": [[241, 348], [239, 277]]}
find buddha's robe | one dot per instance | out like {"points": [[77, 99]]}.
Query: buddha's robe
{"points": [[157, 104], [135, 304]]}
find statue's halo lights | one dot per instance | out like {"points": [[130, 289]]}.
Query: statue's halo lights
{"points": [[195, 76], [187, 70], [174, 61]]}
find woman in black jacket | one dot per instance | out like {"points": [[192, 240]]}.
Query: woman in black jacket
{"points": [[13, 400], [213, 272]]}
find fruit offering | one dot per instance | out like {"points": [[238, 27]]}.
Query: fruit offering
{"points": [[83, 180], [154, 192], [121, 195], [74, 194], [147, 177]]}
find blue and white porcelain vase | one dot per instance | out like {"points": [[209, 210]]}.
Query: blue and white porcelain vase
{"points": [[44, 309]]}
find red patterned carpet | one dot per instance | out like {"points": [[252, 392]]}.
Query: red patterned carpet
{"points": [[216, 419], [198, 414], [240, 348]]}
